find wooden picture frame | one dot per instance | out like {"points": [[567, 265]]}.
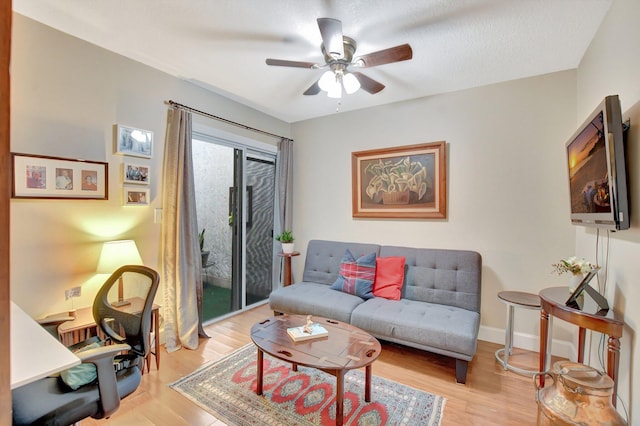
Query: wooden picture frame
{"points": [[137, 174], [40, 176], [136, 196], [400, 182], [133, 142]]}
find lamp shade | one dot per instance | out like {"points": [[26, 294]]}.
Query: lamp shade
{"points": [[116, 254], [327, 81], [351, 83]]}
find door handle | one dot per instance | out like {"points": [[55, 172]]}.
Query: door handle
{"points": [[232, 204], [249, 206]]}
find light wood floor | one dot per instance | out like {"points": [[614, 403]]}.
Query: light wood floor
{"points": [[491, 396]]}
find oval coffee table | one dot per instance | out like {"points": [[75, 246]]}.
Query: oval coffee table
{"points": [[345, 348]]}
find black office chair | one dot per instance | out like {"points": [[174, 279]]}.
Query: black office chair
{"points": [[51, 402]]}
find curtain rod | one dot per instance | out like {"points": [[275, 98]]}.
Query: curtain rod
{"points": [[215, 117]]}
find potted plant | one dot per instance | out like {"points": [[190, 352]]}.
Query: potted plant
{"points": [[286, 238], [204, 253]]}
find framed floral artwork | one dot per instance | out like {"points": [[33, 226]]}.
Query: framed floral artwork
{"points": [[400, 182]]}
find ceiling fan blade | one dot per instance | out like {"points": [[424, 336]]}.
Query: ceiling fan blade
{"points": [[296, 64], [368, 84], [331, 31], [313, 90], [386, 56]]}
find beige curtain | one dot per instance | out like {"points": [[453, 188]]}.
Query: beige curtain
{"points": [[284, 197], [180, 250]]}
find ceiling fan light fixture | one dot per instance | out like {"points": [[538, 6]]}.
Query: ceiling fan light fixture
{"points": [[336, 91], [331, 82], [351, 83], [327, 81]]}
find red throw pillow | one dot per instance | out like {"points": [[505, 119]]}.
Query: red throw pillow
{"points": [[389, 277]]}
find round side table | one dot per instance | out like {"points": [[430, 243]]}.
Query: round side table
{"points": [[514, 299], [286, 273]]}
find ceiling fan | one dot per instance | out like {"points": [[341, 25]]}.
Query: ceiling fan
{"points": [[338, 51]]}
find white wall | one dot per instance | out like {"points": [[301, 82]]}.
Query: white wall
{"points": [[66, 96], [507, 184], [610, 66]]}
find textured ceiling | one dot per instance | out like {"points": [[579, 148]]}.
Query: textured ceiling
{"points": [[222, 44]]}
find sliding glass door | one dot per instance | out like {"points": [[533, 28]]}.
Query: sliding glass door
{"points": [[260, 178], [235, 203]]}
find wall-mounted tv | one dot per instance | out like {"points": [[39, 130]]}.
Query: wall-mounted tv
{"points": [[597, 169]]}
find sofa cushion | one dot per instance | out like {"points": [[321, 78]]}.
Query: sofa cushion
{"points": [[322, 261], [446, 277], [306, 298], [356, 275], [389, 277], [441, 328]]}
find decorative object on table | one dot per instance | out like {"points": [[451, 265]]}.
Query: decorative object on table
{"points": [[204, 253], [38, 176], [579, 395], [135, 196], [306, 332], [134, 142], [576, 299], [115, 254], [226, 389], [136, 174], [400, 182], [286, 239], [577, 268]]}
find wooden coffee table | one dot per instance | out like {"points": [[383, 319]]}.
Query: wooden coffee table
{"points": [[346, 348]]}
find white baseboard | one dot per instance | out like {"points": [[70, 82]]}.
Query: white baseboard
{"points": [[529, 342]]}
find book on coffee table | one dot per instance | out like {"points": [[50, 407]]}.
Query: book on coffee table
{"points": [[299, 334]]}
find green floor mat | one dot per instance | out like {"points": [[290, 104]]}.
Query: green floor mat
{"points": [[216, 301]]}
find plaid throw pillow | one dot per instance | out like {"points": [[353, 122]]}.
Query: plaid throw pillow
{"points": [[356, 275]]}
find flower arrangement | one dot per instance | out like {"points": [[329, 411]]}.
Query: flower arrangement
{"points": [[574, 265]]}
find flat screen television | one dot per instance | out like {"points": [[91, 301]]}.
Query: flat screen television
{"points": [[597, 169]]}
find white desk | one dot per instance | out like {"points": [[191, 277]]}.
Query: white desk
{"points": [[34, 352]]}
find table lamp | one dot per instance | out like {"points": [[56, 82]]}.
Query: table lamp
{"points": [[114, 255]]}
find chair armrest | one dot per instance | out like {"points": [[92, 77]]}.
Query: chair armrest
{"points": [[52, 322], [103, 354], [102, 358], [55, 318]]}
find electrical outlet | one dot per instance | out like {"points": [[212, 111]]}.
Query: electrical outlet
{"points": [[72, 292]]}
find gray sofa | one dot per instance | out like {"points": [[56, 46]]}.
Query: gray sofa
{"points": [[439, 309]]}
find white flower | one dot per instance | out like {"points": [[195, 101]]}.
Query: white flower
{"points": [[574, 265]]}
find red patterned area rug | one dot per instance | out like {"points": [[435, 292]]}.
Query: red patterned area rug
{"points": [[226, 388]]}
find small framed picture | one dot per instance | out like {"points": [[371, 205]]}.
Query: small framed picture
{"points": [[136, 196], [136, 174], [134, 142], [39, 176]]}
